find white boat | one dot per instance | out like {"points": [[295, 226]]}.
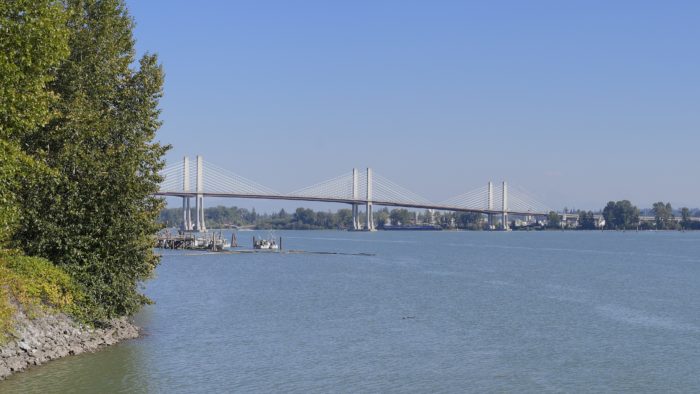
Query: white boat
{"points": [[268, 244]]}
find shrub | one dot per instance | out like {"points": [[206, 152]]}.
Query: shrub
{"points": [[34, 284]]}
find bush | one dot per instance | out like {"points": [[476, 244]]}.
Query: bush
{"points": [[34, 284]]}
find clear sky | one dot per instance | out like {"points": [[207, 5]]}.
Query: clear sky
{"points": [[579, 102]]}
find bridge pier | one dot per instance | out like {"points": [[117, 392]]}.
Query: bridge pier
{"points": [[369, 226], [489, 203], [199, 200], [355, 196], [356, 225], [504, 208], [370, 218], [186, 211], [186, 215]]}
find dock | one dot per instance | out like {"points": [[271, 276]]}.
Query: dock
{"points": [[192, 241]]}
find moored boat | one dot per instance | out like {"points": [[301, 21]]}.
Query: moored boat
{"points": [[266, 244]]}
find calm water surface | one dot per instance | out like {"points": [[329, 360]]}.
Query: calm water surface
{"points": [[430, 312]]}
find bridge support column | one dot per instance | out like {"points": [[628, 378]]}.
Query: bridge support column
{"points": [[355, 196], [356, 217], [504, 208], [370, 218], [186, 215], [183, 227], [199, 202], [186, 212], [199, 207], [489, 202]]}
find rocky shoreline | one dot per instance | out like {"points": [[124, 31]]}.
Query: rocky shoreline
{"points": [[51, 336]]}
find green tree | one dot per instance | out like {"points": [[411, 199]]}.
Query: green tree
{"points": [[627, 214], [609, 215], [586, 220], [33, 42], [97, 216], [685, 218], [553, 220], [469, 220], [305, 216], [621, 215], [661, 215], [381, 216], [344, 218], [400, 217]]}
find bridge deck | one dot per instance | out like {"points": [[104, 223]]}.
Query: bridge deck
{"points": [[436, 207]]}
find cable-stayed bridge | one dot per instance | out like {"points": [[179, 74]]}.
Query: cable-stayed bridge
{"points": [[199, 179]]}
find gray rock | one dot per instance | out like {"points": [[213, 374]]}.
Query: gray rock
{"points": [[4, 372], [24, 346], [51, 336]]}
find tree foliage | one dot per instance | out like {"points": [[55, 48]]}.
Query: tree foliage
{"points": [[33, 41], [620, 215], [663, 216], [553, 220], [470, 221], [400, 217], [686, 222], [586, 220], [95, 215]]}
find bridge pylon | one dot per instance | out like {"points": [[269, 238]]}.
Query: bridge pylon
{"points": [[186, 211], [356, 225], [370, 218], [199, 200], [504, 207], [489, 205]]}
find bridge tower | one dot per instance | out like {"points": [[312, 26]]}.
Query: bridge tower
{"points": [[490, 204], [504, 208], [355, 196], [370, 219], [199, 201], [186, 211]]}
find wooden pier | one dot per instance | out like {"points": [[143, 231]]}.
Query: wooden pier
{"points": [[193, 241]]}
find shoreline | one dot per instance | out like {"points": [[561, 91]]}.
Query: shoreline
{"points": [[51, 336]]}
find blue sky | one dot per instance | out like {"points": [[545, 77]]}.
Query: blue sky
{"points": [[579, 102]]}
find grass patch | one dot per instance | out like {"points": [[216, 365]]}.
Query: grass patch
{"points": [[34, 284]]}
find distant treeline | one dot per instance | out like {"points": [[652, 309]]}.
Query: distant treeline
{"points": [[308, 219], [623, 215], [618, 215]]}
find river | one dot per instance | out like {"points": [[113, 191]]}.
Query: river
{"points": [[428, 312]]}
